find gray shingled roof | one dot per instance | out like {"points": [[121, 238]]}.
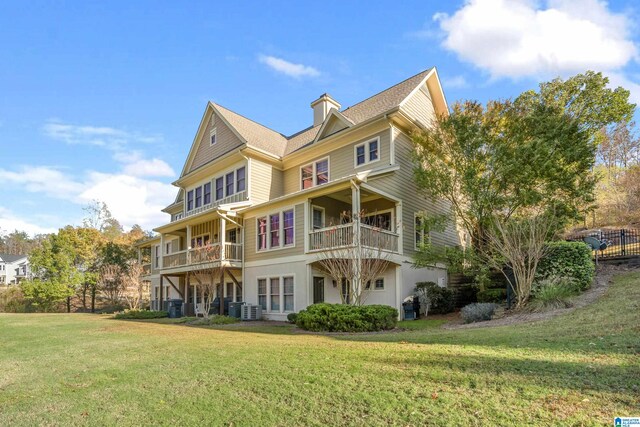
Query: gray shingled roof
{"points": [[262, 137], [254, 133], [11, 258]]}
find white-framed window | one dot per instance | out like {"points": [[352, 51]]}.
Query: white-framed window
{"points": [[276, 293], [241, 179], [367, 152], [382, 220], [167, 248], [378, 285], [317, 217], [262, 293], [156, 257], [316, 173], [421, 234], [229, 181], [213, 137], [190, 200], [219, 188], [277, 230]]}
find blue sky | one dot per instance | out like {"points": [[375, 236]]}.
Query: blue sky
{"points": [[101, 100]]}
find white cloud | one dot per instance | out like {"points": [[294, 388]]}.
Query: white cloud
{"points": [[519, 38], [102, 136], [131, 199], [10, 222], [456, 82], [289, 68], [134, 164]]}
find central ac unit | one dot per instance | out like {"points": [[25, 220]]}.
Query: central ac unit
{"points": [[251, 312]]}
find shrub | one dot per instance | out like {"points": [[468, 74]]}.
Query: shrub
{"points": [[492, 295], [478, 312], [441, 300], [12, 300], [347, 318], [568, 259], [291, 317], [141, 314], [553, 292]]}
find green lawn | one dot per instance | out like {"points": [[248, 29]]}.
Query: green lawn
{"points": [[579, 369]]}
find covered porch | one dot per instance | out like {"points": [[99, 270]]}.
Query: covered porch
{"points": [[192, 289], [354, 216]]}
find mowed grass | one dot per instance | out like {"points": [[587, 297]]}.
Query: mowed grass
{"points": [[578, 369]]}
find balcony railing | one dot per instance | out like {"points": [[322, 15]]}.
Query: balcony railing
{"points": [[234, 198], [342, 236], [205, 254]]}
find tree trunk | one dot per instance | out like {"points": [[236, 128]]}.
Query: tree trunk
{"points": [[68, 304], [93, 299]]}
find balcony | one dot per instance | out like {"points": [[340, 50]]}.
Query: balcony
{"points": [[207, 254], [343, 236], [234, 198]]}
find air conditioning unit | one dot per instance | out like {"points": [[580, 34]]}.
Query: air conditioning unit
{"points": [[251, 312]]}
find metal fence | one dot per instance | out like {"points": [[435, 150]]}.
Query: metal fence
{"points": [[620, 242]]}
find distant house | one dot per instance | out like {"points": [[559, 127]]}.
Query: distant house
{"points": [[267, 205], [13, 269]]}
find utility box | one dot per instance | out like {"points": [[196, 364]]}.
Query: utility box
{"points": [[251, 312]]}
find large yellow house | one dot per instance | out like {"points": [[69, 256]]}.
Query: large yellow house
{"points": [[267, 207]]}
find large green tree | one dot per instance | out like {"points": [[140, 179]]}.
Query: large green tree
{"points": [[511, 157]]}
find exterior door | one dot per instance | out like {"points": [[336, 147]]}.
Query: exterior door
{"points": [[318, 290]]}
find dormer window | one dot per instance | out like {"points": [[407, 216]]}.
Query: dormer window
{"points": [[368, 152], [212, 136]]}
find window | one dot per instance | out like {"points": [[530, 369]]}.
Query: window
{"points": [[288, 293], [190, 200], [421, 233], [262, 233], [198, 197], [378, 285], [229, 181], [219, 188], [360, 157], [274, 229], [262, 293], [232, 236], [322, 172], [307, 176], [288, 225], [274, 294], [212, 136], [167, 248], [156, 261], [277, 230], [316, 173], [367, 152], [240, 180], [207, 193], [318, 218]]}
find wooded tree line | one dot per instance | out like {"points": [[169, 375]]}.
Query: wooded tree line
{"points": [[85, 267], [618, 191]]}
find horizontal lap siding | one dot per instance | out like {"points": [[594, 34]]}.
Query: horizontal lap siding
{"points": [[226, 141], [251, 242], [419, 107], [341, 162], [401, 184], [265, 182]]}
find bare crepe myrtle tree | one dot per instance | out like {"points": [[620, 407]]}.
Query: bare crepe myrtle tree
{"points": [[360, 256], [207, 275], [518, 244], [136, 290], [111, 284]]}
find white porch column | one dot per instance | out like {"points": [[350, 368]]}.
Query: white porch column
{"points": [[188, 245], [399, 228], [223, 237], [162, 254]]}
